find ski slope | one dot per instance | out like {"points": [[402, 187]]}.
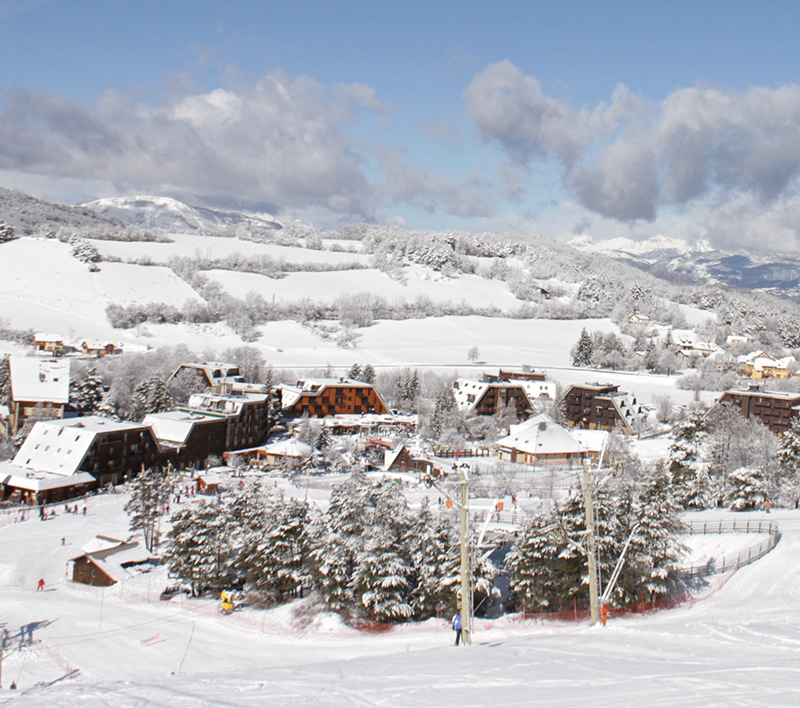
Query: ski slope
{"points": [[738, 646]]}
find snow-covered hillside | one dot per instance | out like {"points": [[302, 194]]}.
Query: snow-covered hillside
{"points": [[43, 287], [169, 214]]}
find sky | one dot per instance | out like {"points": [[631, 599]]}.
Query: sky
{"points": [[565, 118]]}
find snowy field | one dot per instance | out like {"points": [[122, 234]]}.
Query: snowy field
{"points": [[195, 245], [738, 645]]}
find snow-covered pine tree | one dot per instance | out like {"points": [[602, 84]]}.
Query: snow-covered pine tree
{"points": [[345, 545], [274, 562], [86, 394], [381, 578], [150, 494], [746, 489], [198, 549], [431, 545], [151, 396], [368, 374], [583, 351], [789, 460], [354, 373], [652, 562], [690, 488], [6, 232], [547, 571], [443, 407], [5, 381]]}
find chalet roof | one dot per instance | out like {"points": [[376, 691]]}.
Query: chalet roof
{"points": [[785, 395], [13, 475], [291, 447], [760, 361], [175, 426], [47, 337], [291, 394], [39, 380], [464, 388], [114, 557], [540, 435], [215, 371], [60, 446], [221, 404]]}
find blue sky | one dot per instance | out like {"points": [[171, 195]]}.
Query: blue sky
{"points": [[606, 118]]}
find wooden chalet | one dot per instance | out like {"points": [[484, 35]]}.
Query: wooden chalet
{"points": [[211, 373], [540, 441], [602, 406], [188, 439], [98, 348], [107, 561], [39, 389], [48, 344], [775, 409], [318, 398], [67, 455]]}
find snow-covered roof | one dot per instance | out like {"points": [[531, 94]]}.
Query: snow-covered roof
{"points": [[39, 380], [591, 440], [47, 337], [101, 543], [12, 475], [59, 446], [288, 448], [174, 426], [760, 361], [113, 556], [223, 404], [540, 435]]}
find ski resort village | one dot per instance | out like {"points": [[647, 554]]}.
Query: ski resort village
{"points": [[216, 474], [402, 355]]}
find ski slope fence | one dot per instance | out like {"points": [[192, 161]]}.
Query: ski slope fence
{"points": [[771, 535]]}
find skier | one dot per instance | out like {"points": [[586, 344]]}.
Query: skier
{"points": [[767, 505], [457, 626], [40, 585]]}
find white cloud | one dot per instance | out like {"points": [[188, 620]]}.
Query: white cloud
{"points": [[720, 155], [281, 141]]}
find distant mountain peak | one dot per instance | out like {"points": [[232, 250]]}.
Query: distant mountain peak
{"points": [[172, 215]]}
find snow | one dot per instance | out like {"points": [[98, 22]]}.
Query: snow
{"points": [[195, 245], [71, 297], [120, 646], [419, 282]]}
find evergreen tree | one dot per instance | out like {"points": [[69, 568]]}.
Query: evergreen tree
{"points": [[789, 460], [583, 351], [6, 232], [368, 374], [690, 486], [198, 550], [5, 381], [151, 396], [366, 525], [431, 549], [652, 561], [442, 411], [150, 494], [746, 489], [274, 561], [381, 579], [547, 566], [86, 394], [354, 373]]}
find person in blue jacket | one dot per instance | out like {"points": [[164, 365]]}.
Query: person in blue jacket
{"points": [[457, 626]]}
